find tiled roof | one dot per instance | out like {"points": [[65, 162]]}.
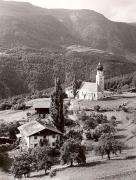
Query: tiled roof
{"points": [[34, 127], [39, 101], [42, 104], [89, 87]]}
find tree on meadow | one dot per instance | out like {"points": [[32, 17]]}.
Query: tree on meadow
{"points": [[108, 145], [72, 151], [42, 158], [102, 129], [21, 165]]}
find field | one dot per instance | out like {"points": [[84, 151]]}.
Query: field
{"points": [[121, 167], [13, 115]]}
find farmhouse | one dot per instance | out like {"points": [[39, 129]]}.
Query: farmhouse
{"points": [[42, 107], [33, 133]]}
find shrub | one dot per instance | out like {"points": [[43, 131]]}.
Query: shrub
{"points": [[124, 109], [97, 108], [83, 116], [6, 147], [19, 106], [52, 173], [5, 106], [113, 121]]}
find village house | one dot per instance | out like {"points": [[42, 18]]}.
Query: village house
{"points": [[41, 106], [32, 133]]}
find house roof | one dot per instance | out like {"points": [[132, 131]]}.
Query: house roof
{"points": [[89, 87], [39, 102], [34, 127], [42, 104]]}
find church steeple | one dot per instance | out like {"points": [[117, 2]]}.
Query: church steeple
{"points": [[100, 67], [100, 77]]}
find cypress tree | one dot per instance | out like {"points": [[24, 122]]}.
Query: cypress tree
{"points": [[56, 109], [75, 86]]}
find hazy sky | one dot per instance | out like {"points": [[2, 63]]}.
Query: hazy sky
{"points": [[118, 10]]}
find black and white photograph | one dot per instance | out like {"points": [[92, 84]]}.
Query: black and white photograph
{"points": [[67, 89]]}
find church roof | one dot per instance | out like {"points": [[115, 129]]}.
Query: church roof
{"points": [[89, 87]]}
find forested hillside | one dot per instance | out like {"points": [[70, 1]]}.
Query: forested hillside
{"points": [[24, 70]]}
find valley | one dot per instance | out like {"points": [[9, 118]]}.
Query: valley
{"points": [[67, 94], [119, 167]]}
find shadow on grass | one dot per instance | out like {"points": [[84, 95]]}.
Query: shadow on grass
{"points": [[118, 129], [130, 157], [39, 175], [125, 158], [118, 122], [95, 163], [120, 136], [90, 164]]}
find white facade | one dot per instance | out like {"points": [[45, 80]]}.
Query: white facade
{"points": [[88, 95], [93, 91], [33, 141]]}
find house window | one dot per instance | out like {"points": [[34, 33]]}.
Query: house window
{"points": [[35, 137], [53, 136], [53, 144]]}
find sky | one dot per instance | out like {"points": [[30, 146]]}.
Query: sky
{"points": [[117, 10]]}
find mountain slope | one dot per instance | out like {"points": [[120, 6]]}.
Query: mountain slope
{"points": [[97, 31], [23, 24]]}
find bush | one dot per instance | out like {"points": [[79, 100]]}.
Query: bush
{"points": [[52, 173], [113, 121], [6, 147], [5, 106], [19, 106], [124, 109], [97, 108]]}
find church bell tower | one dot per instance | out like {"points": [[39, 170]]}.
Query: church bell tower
{"points": [[100, 77]]}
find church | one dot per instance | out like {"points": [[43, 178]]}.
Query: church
{"points": [[93, 91], [89, 90]]}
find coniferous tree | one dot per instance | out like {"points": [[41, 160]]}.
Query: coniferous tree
{"points": [[75, 86], [56, 109]]}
